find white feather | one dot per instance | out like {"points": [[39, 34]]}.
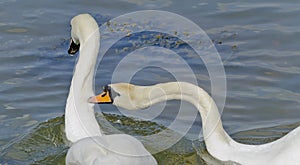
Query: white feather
{"points": [[89, 146]]}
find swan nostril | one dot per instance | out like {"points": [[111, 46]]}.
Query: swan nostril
{"points": [[104, 94]]}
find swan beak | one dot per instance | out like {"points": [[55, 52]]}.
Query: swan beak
{"points": [[73, 47], [103, 98]]}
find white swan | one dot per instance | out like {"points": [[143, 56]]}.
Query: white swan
{"points": [[220, 145], [89, 145]]}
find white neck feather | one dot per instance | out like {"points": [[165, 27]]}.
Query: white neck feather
{"points": [[80, 121], [139, 97], [218, 142]]}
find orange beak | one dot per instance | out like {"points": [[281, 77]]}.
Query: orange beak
{"points": [[103, 98]]}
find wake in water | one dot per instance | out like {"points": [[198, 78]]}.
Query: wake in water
{"points": [[47, 143]]}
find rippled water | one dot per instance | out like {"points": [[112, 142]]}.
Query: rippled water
{"points": [[257, 41]]}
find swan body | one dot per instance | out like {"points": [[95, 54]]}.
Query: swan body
{"points": [[220, 145], [89, 145], [118, 149]]}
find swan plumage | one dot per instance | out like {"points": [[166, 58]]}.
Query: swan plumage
{"points": [[218, 143], [89, 145]]}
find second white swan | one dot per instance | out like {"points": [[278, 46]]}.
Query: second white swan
{"points": [[220, 145]]}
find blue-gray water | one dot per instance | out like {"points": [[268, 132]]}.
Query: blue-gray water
{"points": [[257, 41]]}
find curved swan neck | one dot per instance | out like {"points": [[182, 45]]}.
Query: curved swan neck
{"points": [[87, 32], [79, 116], [211, 119], [138, 97]]}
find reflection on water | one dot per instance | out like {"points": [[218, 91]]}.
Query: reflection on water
{"points": [[257, 41]]}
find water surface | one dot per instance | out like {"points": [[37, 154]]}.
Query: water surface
{"points": [[257, 41]]}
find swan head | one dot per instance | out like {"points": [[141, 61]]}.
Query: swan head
{"points": [[74, 41], [82, 27], [123, 95]]}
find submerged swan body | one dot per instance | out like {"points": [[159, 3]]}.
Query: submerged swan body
{"points": [[219, 144], [90, 146]]}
